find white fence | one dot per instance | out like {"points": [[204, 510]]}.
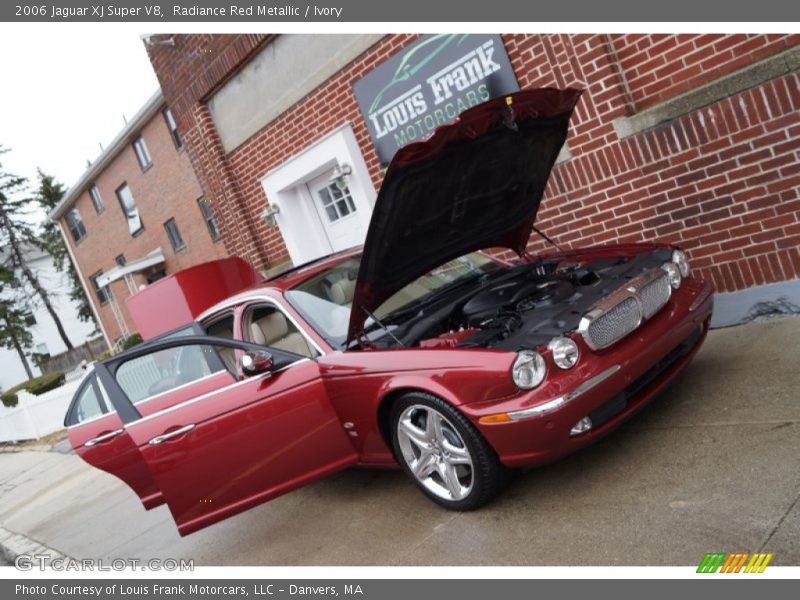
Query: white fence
{"points": [[36, 416]]}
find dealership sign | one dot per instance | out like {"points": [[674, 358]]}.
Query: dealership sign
{"points": [[430, 83]]}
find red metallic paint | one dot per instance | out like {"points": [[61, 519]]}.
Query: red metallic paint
{"points": [[179, 298], [117, 456], [543, 439], [357, 383], [260, 437], [251, 441]]}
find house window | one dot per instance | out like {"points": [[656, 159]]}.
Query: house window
{"points": [[75, 224], [120, 260], [129, 209], [142, 155], [96, 199], [208, 215], [156, 275], [337, 202], [174, 235], [30, 319], [104, 293], [173, 129]]}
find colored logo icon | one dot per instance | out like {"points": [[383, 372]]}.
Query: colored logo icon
{"points": [[736, 562]]}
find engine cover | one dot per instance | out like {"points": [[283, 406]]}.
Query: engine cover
{"points": [[517, 295]]}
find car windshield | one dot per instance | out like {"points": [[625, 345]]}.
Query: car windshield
{"points": [[325, 299]]}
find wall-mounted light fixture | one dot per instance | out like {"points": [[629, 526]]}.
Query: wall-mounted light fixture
{"points": [[268, 214], [339, 175], [149, 40]]}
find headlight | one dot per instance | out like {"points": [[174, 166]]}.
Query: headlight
{"points": [[674, 275], [565, 352], [679, 258], [528, 370]]}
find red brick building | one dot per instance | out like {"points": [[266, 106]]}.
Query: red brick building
{"points": [[691, 139], [136, 214]]}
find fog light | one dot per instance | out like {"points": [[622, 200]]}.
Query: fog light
{"points": [[582, 426]]}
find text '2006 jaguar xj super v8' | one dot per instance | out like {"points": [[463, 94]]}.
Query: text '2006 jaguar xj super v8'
{"points": [[418, 350]]}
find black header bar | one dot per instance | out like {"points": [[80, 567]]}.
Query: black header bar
{"points": [[462, 11]]}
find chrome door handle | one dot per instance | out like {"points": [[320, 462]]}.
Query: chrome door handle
{"points": [[103, 438], [168, 436]]}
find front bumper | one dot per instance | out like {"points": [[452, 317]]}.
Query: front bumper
{"points": [[626, 375]]}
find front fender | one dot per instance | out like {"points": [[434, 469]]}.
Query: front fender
{"points": [[358, 382], [461, 376]]}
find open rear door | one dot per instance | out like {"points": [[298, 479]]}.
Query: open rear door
{"points": [[246, 442], [97, 434]]}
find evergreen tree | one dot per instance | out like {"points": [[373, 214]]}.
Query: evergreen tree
{"points": [[14, 333], [16, 233], [48, 196]]}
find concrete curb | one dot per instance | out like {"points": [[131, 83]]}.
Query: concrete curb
{"points": [[37, 448], [14, 544]]}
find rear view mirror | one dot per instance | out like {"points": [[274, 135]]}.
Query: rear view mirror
{"points": [[253, 363]]}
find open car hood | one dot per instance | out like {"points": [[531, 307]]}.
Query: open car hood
{"points": [[475, 183]]}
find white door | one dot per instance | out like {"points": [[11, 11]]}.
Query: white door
{"points": [[340, 213]]}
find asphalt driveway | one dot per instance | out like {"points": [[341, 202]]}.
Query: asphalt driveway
{"points": [[712, 465]]}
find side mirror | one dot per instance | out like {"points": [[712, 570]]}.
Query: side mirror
{"points": [[253, 363]]}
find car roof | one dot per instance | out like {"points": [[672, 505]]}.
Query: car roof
{"points": [[291, 277], [285, 280]]}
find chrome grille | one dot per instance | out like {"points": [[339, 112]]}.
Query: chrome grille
{"points": [[654, 295], [614, 324], [621, 312]]}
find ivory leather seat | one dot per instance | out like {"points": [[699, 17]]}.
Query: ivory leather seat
{"points": [[275, 331]]}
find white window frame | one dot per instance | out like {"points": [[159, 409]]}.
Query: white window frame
{"points": [[129, 215], [172, 125], [172, 234], [210, 218], [142, 153], [97, 199], [104, 294], [75, 224], [332, 202]]}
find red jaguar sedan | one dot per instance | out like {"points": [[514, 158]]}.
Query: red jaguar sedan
{"points": [[417, 350]]}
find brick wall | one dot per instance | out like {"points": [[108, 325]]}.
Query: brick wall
{"points": [[721, 181], [661, 66], [188, 72], [167, 189]]}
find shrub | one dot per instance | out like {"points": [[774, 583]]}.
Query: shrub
{"points": [[45, 383], [36, 386], [9, 399], [132, 340]]}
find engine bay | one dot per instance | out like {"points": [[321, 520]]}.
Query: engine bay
{"points": [[525, 305]]}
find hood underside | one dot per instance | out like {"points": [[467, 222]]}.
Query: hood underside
{"points": [[474, 184]]}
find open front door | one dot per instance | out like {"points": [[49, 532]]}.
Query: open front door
{"points": [[239, 445], [97, 434]]}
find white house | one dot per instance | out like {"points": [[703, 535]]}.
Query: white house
{"points": [[45, 335]]}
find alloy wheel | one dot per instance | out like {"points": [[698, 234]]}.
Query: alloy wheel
{"points": [[435, 452]]}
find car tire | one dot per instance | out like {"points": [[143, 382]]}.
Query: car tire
{"points": [[444, 454]]}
